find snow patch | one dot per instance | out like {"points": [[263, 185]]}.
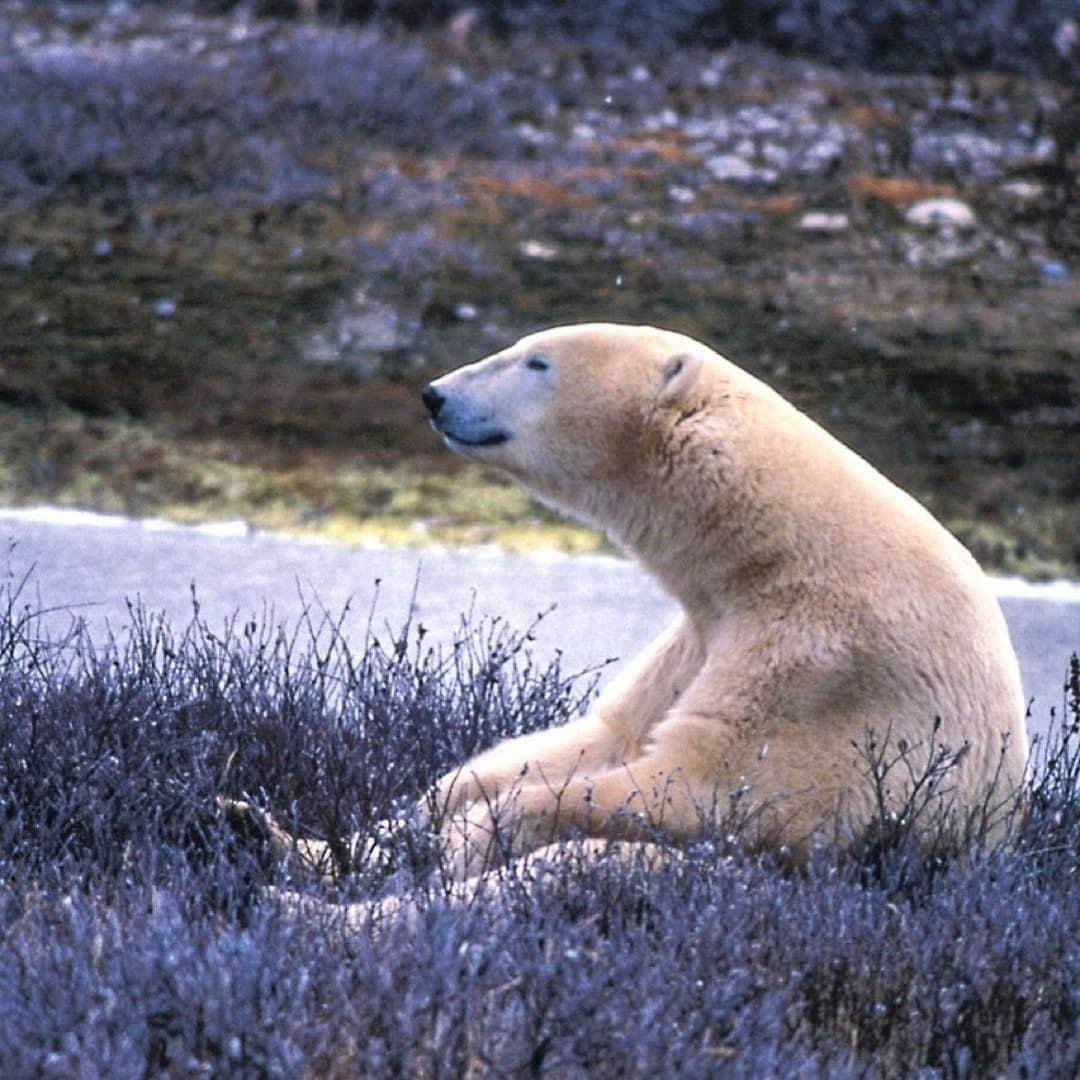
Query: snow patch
{"points": [[66, 517]]}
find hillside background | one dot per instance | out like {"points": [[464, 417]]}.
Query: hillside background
{"points": [[236, 238]]}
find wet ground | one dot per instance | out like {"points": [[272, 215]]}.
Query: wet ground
{"points": [[231, 250]]}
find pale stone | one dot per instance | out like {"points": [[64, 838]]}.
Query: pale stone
{"points": [[534, 249], [817, 221], [1023, 191], [940, 214], [732, 168]]}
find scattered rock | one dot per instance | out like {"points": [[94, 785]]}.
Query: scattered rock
{"points": [[460, 29], [757, 120], [1024, 192], [317, 349], [365, 335], [665, 118], [682, 195], [534, 136], [370, 326], [1044, 149], [1066, 38], [164, 308], [17, 258], [465, 311], [1063, 416], [1053, 270], [102, 248], [967, 432], [730, 168], [818, 221], [824, 153], [713, 128], [966, 440], [944, 249], [940, 214], [968, 153], [535, 249], [775, 155]]}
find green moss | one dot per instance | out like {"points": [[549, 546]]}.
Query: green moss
{"points": [[120, 467], [1028, 551]]}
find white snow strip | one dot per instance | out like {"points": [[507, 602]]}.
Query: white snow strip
{"points": [[60, 515], [1066, 592], [86, 519], [226, 529]]}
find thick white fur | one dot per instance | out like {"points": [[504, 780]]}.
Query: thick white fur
{"points": [[819, 602]]}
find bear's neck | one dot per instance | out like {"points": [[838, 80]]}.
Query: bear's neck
{"points": [[669, 537], [703, 542], [723, 510]]}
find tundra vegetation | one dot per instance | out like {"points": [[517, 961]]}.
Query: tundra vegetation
{"points": [[141, 936], [232, 247]]}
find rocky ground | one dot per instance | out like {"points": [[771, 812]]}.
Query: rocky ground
{"points": [[230, 250]]}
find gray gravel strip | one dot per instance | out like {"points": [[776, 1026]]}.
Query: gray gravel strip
{"points": [[603, 607]]}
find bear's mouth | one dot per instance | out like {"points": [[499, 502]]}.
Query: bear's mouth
{"points": [[492, 438]]}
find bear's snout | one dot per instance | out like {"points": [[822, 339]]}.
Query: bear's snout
{"points": [[460, 421], [433, 399]]}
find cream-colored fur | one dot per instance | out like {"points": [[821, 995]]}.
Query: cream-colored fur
{"points": [[819, 602]]}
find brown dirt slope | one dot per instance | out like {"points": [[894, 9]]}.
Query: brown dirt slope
{"points": [[224, 273]]}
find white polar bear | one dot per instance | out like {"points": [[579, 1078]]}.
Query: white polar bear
{"points": [[819, 603]]}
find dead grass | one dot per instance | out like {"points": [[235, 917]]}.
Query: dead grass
{"points": [[898, 190]]}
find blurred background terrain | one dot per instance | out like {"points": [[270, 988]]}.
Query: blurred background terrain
{"points": [[236, 238]]}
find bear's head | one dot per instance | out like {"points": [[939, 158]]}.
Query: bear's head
{"points": [[571, 412]]}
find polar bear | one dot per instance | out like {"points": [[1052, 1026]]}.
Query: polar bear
{"points": [[819, 603]]}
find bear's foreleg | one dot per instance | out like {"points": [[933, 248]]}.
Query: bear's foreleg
{"points": [[652, 796], [614, 731]]}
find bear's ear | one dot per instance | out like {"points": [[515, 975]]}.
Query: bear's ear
{"points": [[678, 375]]}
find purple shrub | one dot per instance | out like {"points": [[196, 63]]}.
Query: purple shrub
{"points": [[919, 35], [267, 124], [134, 942]]}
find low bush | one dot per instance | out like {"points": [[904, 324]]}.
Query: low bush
{"points": [[266, 119], [940, 36], [134, 943]]}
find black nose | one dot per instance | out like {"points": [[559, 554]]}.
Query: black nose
{"points": [[433, 399]]}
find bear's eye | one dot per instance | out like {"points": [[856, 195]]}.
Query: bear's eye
{"points": [[537, 363]]}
